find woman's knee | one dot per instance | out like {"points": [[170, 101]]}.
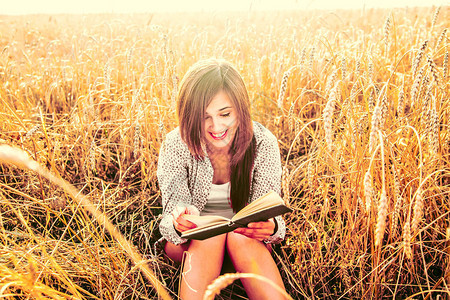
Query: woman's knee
{"points": [[237, 242], [175, 252]]}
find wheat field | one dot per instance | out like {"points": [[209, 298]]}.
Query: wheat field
{"points": [[359, 101]]}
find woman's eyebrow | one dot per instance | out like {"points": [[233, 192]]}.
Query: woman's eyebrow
{"points": [[219, 110], [226, 107]]}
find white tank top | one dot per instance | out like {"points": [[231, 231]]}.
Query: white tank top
{"points": [[219, 203]]}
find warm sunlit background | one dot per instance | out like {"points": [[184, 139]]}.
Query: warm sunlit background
{"points": [[131, 6], [359, 101]]}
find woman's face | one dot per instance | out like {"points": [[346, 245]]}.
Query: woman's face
{"points": [[221, 121]]}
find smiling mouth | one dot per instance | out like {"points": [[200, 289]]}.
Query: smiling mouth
{"points": [[219, 136]]}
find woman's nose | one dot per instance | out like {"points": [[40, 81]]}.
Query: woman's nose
{"points": [[215, 126]]}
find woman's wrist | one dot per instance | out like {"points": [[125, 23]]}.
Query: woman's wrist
{"points": [[275, 229]]}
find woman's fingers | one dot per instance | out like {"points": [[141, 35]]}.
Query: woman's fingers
{"points": [[257, 230], [181, 224]]}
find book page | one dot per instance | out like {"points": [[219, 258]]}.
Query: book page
{"points": [[208, 226], [268, 200], [201, 221]]}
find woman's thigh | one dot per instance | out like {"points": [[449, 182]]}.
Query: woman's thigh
{"points": [[175, 252]]}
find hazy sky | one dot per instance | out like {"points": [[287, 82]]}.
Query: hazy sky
{"points": [[127, 6]]}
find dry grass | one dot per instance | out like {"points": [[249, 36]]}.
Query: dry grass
{"points": [[91, 98]]}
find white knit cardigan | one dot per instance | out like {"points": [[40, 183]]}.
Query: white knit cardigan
{"points": [[185, 180]]}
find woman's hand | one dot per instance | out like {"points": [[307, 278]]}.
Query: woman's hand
{"points": [[179, 222], [258, 230]]}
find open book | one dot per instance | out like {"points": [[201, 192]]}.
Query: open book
{"points": [[268, 206]]}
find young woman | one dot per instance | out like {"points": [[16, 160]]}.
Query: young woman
{"points": [[216, 162]]}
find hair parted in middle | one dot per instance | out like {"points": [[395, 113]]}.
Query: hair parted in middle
{"points": [[204, 80]]}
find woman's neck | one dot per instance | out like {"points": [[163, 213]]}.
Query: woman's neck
{"points": [[213, 151]]}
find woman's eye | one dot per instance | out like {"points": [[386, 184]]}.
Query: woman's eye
{"points": [[226, 115]]}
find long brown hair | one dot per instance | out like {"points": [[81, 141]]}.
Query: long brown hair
{"points": [[201, 83]]}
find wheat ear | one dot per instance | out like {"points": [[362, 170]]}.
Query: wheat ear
{"points": [[417, 211], [407, 239], [433, 135], [434, 70], [441, 38], [398, 202], [137, 143], [435, 16], [31, 132], [401, 102], [283, 88], [418, 58], [416, 86], [285, 184], [328, 118], [376, 125], [382, 204], [387, 27], [368, 190]]}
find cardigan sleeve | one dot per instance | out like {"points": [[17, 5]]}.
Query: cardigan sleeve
{"points": [[172, 173], [267, 176]]}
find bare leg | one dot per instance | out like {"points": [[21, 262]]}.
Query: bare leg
{"points": [[202, 264], [175, 252], [252, 256]]}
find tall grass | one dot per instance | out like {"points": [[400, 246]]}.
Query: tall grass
{"points": [[92, 97]]}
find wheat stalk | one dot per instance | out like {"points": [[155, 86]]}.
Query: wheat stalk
{"points": [[368, 190], [331, 81], [370, 71], [302, 57], [291, 120], [107, 77], [445, 65], [354, 131], [31, 132], [162, 129], [433, 135], [311, 56], [358, 67], [174, 91], [19, 158], [344, 68], [137, 144], [361, 124], [285, 183], [376, 125], [417, 211], [447, 244], [398, 202], [371, 100], [384, 110], [346, 278]]}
